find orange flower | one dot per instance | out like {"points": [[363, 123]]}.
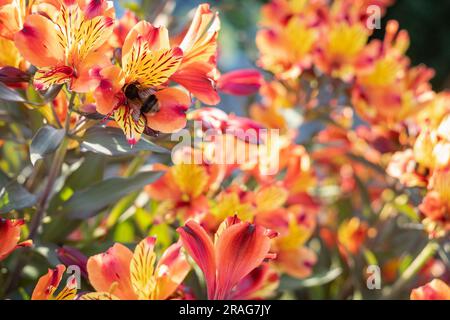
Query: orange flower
{"points": [[184, 187], [295, 226], [121, 274], [238, 248], [47, 285], [352, 234], [197, 71], [66, 47], [432, 206], [434, 290], [287, 50], [387, 90], [121, 29], [10, 236], [403, 167], [134, 93]]}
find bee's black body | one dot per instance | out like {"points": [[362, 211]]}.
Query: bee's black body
{"points": [[148, 102]]}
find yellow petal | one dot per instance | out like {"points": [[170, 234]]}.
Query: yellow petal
{"points": [[132, 128], [150, 68], [191, 179], [98, 296], [141, 269]]}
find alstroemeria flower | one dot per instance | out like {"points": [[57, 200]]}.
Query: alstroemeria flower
{"points": [[47, 285], [184, 189], [352, 234], [66, 46], [10, 236], [295, 226], [198, 70], [238, 248], [135, 92], [121, 274], [434, 290], [387, 90]]}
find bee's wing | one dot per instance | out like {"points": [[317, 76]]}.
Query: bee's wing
{"points": [[144, 94]]}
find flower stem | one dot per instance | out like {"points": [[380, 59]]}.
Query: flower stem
{"points": [[427, 252], [43, 203], [57, 163]]}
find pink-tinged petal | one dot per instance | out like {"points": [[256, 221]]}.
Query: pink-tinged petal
{"points": [[258, 284], [156, 37], [171, 270], [112, 268], [240, 82], [48, 283], [171, 116], [297, 263], [240, 248], [211, 118], [200, 247], [88, 73], [95, 8], [200, 41], [108, 93], [38, 42], [123, 27], [434, 290], [197, 77], [9, 236]]}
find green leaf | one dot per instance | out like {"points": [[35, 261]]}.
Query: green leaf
{"points": [[45, 142], [289, 283], [89, 202], [124, 232], [13, 196], [89, 173], [370, 257], [111, 141]]}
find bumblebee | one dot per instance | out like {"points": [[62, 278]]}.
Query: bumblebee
{"points": [[141, 101]]}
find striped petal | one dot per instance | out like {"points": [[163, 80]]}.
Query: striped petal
{"points": [[200, 42], [132, 127], [93, 33], [46, 77], [48, 283], [150, 68], [142, 267], [98, 296], [240, 248], [200, 247], [70, 290], [171, 270], [156, 37]]}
